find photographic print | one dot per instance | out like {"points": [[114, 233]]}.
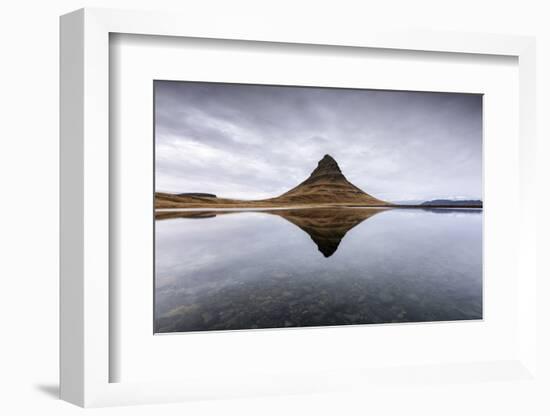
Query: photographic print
{"points": [[289, 206]]}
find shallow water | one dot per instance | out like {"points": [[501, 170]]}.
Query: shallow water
{"points": [[315, 267]]}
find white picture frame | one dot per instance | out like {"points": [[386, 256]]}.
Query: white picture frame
{"points": [[85, 203]]}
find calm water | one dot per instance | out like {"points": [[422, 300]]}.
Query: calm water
{"points": [[292, 268]]}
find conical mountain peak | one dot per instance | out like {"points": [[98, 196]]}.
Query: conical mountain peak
{"points": [[327, 165], [328, 160]]}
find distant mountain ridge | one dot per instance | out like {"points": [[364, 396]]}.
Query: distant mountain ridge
{"points": [[466, 203], [198, 194]]}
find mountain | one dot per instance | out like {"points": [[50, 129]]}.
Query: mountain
{"points": [[467, 203], [325, 186]]}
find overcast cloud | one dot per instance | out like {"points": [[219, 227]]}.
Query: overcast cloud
{"points": [[252, 141]]}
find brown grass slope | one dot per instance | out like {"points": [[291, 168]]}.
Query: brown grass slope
{"points": [[165, 200]]}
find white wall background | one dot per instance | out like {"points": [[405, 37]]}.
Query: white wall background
{"points": [[29, 204]]}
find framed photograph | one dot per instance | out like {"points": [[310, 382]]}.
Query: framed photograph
{"points": [[248, 210], [257, 154]]}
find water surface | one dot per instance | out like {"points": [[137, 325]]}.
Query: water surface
{"points": [[226, 270]]}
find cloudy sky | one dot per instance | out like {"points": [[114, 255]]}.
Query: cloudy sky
{"points": [[253, 141]]}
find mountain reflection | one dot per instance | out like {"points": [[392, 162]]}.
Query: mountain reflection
{"points": [[256, 270], [325, 226]]}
